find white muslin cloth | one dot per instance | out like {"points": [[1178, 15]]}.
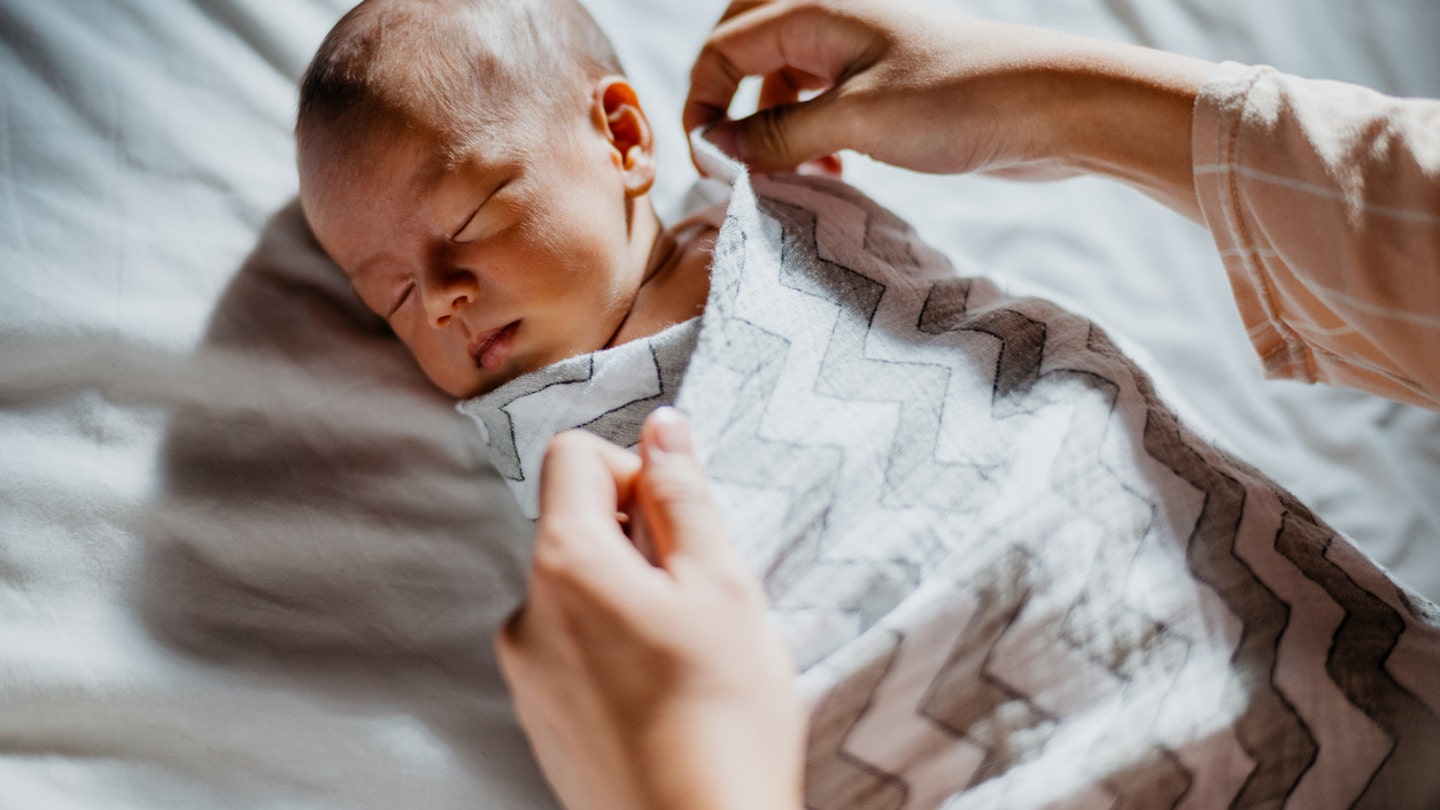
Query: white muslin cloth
{"points": [[1010, 575]]}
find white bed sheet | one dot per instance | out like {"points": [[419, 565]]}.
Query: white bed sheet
{"points": [[248, 559]]}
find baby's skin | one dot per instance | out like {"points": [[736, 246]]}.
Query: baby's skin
{"points": [[522, 255], [495, 237]]}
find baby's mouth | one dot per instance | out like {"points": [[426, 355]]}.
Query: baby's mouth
{"points": [[493, 349]]}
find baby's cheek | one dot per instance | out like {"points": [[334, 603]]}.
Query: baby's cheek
{"points": [[404, 324], [420, 340], [368, 299], [451, 369]]}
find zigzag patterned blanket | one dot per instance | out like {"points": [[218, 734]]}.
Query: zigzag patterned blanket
{"points": [[1011, 576]]}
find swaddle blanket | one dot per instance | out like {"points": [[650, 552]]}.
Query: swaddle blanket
{"points": [[1012, 578]]}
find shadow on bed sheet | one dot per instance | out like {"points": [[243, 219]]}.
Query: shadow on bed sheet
{"points": [[325, 516]]}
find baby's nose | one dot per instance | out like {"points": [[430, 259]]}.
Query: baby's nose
{"points": [[446, 292]]}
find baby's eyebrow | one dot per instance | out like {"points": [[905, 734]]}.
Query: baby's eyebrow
{"points": [[429, 173]]}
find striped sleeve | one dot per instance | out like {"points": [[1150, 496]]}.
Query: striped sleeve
{"points": [[1324, 199]]}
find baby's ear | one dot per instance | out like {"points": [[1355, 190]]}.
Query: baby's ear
{"points": [[618, 111]]}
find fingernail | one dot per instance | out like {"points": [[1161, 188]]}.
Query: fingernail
{"points": [[672, 432], [725, 138]]}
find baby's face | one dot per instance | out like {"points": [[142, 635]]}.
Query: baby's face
{"points": [[518, 257]]}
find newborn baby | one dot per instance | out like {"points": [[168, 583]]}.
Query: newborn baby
{"points": [[480, 170]]}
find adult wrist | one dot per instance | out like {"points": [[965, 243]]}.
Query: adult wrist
{"points": [[1124, 112]]}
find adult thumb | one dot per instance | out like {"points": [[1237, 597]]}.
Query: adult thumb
{"points": [[679, 515], [781, 137]]}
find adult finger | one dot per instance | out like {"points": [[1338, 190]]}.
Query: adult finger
{"points": [[762, 39], [784, 137], [785, 86], [714, 78], [806, 47], [585, 483], [680, 516], [583, 478]]}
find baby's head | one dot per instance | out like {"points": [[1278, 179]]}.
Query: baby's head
{"points": [[480, 170]]}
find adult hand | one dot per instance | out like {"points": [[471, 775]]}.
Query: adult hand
{"points": [[935, 91], [647, 685]]}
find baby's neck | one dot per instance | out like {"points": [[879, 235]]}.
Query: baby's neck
{"points": [[676, 281]]}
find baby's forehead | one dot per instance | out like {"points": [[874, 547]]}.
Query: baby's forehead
{"points": [[436, 146], [417, 166], [454, 129]]}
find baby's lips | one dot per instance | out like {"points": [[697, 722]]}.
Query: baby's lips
{"points": [[492, 353], [481, 340]]}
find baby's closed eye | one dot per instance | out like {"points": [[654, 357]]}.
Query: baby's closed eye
{"points": [[475, 225], [400, 299], [383, 294]]}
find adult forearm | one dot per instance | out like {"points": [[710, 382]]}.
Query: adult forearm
{"points": [[1125, 112], [941, 92]]}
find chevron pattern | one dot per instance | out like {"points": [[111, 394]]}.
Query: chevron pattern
{"points": [[1011, 576], [608, 393]]}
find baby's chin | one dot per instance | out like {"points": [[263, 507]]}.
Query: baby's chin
{"points": [[478, 387], [482, 383], [511, 353], [478, 382]]}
